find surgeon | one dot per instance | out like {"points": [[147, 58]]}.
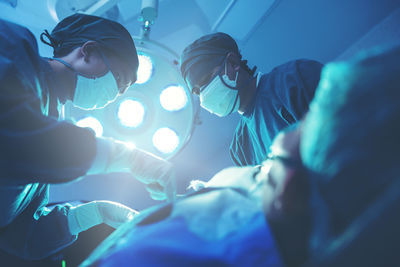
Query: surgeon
{"points": [[94, 61], [213, 69]]}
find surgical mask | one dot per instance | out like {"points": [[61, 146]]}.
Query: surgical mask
{"points": [[220, 96], [93, 93]]}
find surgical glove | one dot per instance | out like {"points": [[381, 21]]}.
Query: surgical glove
{"points": [[196, 185], [85, 216], [155, 172]]}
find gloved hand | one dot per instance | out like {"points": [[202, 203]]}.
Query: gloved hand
{"points": [[196, 185], [155, 172], [82, 217]]}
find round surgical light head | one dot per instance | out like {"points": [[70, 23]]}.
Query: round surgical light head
{"points": [[93, 123], [145, 69], [173, 98], [165, 140], [130, 113]]}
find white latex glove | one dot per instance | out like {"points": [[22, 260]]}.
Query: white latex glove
{"points": [[85, 216], [155, 172], [197, 185]]}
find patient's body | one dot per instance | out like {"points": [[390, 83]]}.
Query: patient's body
{"points": [[222, 224]]}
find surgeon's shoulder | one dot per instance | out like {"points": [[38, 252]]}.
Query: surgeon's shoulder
{"points": [[12, 33], [310, 73], [305, 70], [309, 67], [299, 65]]}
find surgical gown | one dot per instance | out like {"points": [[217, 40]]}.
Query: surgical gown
{"points": [[221, 227], [35, 149], [282, 99]]}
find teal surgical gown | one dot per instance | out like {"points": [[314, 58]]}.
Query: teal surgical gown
{"points": [[282, 99], [35, 149]]}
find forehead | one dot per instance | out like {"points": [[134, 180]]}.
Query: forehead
{"points": [[287, 143]]}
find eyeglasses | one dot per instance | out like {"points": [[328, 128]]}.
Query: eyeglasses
{"points": [[204, 82], [262, 172], [294, 163], [206, 79]]}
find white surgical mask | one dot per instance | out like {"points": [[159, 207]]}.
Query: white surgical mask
{"points": [[220, 97], [93, 93]]}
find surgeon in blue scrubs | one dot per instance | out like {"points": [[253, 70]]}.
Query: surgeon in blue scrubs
{"points": [[213, 68], [94, 61]]}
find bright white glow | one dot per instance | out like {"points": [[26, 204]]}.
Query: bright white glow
{"points": [[130, 145], [130, 113], [173, 98], [145, 69], [93, 123], [165, 140]]}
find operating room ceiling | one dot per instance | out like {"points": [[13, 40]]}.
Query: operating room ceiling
{"points": [[268, 32]]}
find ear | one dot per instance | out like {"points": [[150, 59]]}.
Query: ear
{"points": [[234, 60], [87, 49]]}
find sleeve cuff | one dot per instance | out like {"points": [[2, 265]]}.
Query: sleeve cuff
{"points": [[103, 152]]}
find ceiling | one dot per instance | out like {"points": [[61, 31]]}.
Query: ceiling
{"points": [[268, 32]]}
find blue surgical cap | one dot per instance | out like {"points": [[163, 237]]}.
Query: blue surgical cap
{"points": [[206, 53], [75, 30]]}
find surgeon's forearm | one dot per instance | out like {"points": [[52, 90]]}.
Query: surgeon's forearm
{"points": [[45, 150], [38, 236]]}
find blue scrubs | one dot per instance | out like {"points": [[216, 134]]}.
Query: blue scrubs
{"points": [[35, 149], [172, 241], [282, 99]]}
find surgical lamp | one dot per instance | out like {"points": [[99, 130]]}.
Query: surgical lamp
{"points": [[156, 113]]}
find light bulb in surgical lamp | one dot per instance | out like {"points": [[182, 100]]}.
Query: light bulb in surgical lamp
{"points": [[145, 69], [130, 113], [92, 123], [165, 140], [173, 98]]}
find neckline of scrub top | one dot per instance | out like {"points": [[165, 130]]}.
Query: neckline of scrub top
{"points": [[47, 70], [251, 105]]}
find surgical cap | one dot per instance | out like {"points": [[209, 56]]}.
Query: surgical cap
{"points": [[204, 54], [75, 30]]}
